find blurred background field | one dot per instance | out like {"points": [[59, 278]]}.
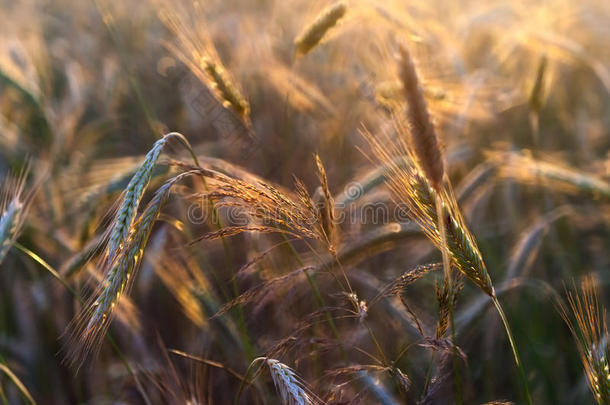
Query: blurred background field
{"points": [[520, 94]]}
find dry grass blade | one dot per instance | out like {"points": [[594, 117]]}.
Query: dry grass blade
{"points": [[175, 276], [22, 388], [536, 99], [311, 35], [587, 322], [524, 252], [522, 167]]}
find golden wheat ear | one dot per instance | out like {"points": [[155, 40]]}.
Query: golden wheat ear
{"points": [[313, 34], [325, 205], [423, 137], [586, 319], [196, 50]]}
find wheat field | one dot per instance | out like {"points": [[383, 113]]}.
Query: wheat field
{"points": [[304, 202]]}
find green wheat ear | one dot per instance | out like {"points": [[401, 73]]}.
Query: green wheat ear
{"points": [[93, 322], [133, 193], [12, 207], [9, 226]]}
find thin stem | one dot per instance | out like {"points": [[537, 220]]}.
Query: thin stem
{"points": [[241, 319], [3, 396], [109, 338], [449, 282], [429, 374], [316, 291], [514, 348], [377, 345], [456, 365], [244, 381]]}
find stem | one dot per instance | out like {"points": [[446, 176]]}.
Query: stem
{"points": [[109, 338], [444, 250], [241, 319], [245, 382], [316, 291], [428, 375], [456, 366], [449, 283], [514, 348], [3, 397]]}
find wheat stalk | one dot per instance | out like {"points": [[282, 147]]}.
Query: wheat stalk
{"points": [[425, 149], [312, 34]]}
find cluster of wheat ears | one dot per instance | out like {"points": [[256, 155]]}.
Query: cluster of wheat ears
{"points": [[411, 162]]}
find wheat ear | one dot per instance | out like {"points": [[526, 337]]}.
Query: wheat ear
{"points": [[311, 35], [425, 147], [431, 208], [93, 322], [9, 226], [291, 388], [325, 205], [133, 193], [12, 206], [587, 322], [198, 53], [423, 137]]}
